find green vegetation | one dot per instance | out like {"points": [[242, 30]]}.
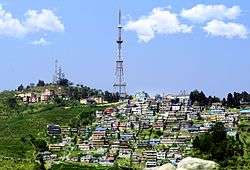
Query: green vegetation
{"points": [[125, 163], [71, 166], [18, 164], [244, 128], [199, 98], [232, 101], [65, 88], [23, 126], [22, 132], [215, 145]]}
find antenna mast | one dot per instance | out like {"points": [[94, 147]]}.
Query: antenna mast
{"points": [[55, 76], [120, 85], [59, 74]]}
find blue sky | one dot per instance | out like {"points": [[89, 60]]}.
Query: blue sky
{"points": [[208, 50]]}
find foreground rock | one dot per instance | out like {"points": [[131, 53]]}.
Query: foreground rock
{"points": [[196, 164], [190, 163], [168, 166]]}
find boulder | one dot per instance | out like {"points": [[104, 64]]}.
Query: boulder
{"points": [[190, 163], [167, 166]]}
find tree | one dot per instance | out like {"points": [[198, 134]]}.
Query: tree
{"points": [[59, 101], [205, 143], [74, 122], [41, 83], [111, 97], [230, 100], [28, 87], [237, 99], [224, 102], [217, 145], [20, 88], [64, 82], [199, 97], [196, 142], [218, 132], [245, 96], [12, 102]]}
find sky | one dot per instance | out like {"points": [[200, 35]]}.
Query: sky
{"points": [[169, 45]]}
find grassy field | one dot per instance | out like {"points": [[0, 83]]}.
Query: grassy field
{"points": [[245, 138], [34, 123], [65, 166], [18, 165]]}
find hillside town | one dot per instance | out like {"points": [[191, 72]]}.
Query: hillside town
{"points": [[145, 132], [47, 95]]}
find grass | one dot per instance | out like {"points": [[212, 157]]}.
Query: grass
{"points": [[20, 126], [71, 166], [245, 137], [20, 165]]}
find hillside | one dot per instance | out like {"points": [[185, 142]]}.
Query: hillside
{"points": [[19, 121], [16, 128]]}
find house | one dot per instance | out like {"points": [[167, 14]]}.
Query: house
{"points": [[245, 113], [191, 115], [161, 155], [66, 140], [114, 147], [53, 129], [46, 155], [98, 137], [217, 105], [176, 107], [29, 97], [65, 130], [99, 100], [47, 95], [74, 130], [136, 157], [122, 126], [232, 133], [125, 152], [88, 101], [83, 147], [86, 159], [168, 140], [151, 164], [56, 147], [159, 124], [151, 158], [99, 114], [136, 109], [154, 142], [143, 143], [141, 96], [127, 136], [108, 111]]}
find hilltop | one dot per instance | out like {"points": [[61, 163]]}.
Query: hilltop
{"points": [[24, 116]]}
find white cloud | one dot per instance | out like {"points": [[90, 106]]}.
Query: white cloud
{"points": [[227, 30], [203, 13], [44, 20], [10, 26], [160, 21], [35, 21], [41, 42]]}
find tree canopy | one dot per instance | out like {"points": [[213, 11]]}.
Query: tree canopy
{"points": [[217, 145]]}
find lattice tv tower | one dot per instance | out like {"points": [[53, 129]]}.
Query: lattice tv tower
{"points": [[58, 74], [120, 85]]}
